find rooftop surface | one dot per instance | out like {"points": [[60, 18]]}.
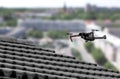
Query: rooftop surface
{"points": [[22, 60]]}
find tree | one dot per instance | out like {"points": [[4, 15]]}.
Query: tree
{"points": [[11, 23], [98, 56], [35, 34], [76, 54], [89, 46], [91, 15], [57, 34], [8, 17], [108, 65]]}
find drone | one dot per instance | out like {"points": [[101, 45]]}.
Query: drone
{"points": [[86, 36]]}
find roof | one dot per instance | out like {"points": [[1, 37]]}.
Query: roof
{"points": [[17, 57], [46, 25]]}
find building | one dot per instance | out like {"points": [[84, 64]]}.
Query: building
{"points": [[1, 19], [36, 13], [18, 32], [115, 45], [90, 8], [5, 30], [110, 46], [46, 25], [113, 31], [22, 60]]}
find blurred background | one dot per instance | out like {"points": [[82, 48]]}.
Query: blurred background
{"points": [[47, 22]]}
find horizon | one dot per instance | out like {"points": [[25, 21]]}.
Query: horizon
{"points": [[57, 3]]}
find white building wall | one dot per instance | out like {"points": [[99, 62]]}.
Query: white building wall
{"points": [[110, 46], [109, 52], [106, 47], [118, 58]]}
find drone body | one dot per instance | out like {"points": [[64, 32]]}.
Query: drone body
{"points": [[87, 36]]}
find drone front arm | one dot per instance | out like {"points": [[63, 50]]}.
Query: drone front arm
{"points": [[104, 37]]}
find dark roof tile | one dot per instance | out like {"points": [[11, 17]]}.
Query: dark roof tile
{"points": [[33, 60]]}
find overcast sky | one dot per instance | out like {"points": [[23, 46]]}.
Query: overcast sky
{"points": [[57, 3]]}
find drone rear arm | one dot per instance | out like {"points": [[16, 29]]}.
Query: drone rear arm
{"points": [[73, 36]]}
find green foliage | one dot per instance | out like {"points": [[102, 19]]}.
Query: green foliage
{"points": [[90, 15], [8, 14], [8, 11], [11, 23], [57, 34], [2, 24], [96, 53], [63, 16], [98, 56], [35, 33], [116, 25], [89, 46], [48, 45], [108, 65], [9, 19], [76, 54]]}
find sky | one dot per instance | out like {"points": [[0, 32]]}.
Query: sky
{"points": [[57, 3]]}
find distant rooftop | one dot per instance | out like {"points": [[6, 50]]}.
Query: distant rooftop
{"points": [[45, 25]]}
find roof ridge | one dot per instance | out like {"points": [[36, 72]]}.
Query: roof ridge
{"points": [[14, 40], [25, 42], [22, 41], [3, 77]]}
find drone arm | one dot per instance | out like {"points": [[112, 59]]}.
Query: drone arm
{"points": [[73, 36], [104, 37], [94, 30]]}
